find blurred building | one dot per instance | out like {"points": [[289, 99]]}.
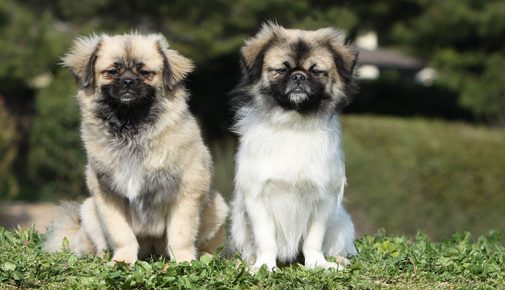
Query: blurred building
{"points": [[375, 60]]}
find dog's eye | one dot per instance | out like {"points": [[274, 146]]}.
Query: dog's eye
{"points": [[317, 72], [144, 72], [112, 72], [281, 70]]}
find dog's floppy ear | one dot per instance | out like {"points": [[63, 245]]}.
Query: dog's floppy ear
{"points": [[344, 56], [254, 49], [175, 66], [81, 59]]}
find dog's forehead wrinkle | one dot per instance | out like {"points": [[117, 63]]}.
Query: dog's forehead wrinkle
{"points": [[127, 48], [130, 51], [128, 64], [301, 47], [321, 57], [299, 51]]}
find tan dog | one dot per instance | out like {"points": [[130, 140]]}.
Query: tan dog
{"points": [[148, 170]]}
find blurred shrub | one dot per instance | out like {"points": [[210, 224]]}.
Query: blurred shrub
{"points": [[56, 154], [397, 95], [8, 184]]}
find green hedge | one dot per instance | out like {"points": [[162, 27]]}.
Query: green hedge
{"points": [[407, 175]]}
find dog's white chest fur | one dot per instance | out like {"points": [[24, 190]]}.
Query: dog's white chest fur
{"points": [[306, 159], [128, 176]]}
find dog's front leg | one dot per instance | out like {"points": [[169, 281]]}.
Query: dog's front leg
{"points": [[313, 244], [114, 219], [182, 228], [263, 227]]}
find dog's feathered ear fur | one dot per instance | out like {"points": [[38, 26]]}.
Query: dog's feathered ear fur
{"points": [[344, 55], [253, 51], [253, 46], [175, 66], [81, 59], [345, 58]]}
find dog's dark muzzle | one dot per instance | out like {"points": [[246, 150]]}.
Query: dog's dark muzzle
{"points": [[124, 91], [126, 88]]}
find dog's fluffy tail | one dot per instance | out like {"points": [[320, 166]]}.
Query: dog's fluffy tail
{"points": [[67, 232]]}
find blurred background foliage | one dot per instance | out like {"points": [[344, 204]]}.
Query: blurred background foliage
{"points": [[407, 172]]}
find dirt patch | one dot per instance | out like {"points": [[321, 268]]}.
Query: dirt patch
{"points": [[26, 215]]}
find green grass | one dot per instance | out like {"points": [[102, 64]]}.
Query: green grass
{"points": [[383, 262], [406, 175]]}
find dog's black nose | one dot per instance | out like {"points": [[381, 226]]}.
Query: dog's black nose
{"points": [[298, 77], [127, 82]]}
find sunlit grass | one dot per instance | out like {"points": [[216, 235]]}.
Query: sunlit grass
{"points": [[383, 262]]}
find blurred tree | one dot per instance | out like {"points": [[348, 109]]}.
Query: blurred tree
{"points": [[464, 40], [209, 32], [28, 48], [29, 55], [8, 183], [56, 158], [39, 92]]}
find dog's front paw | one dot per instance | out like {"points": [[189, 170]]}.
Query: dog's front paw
{"points": [[270, 265], [256, 267], [125, 255], [331, 265], [342, 261], [186, 255], [205, 253], [321, 262]]}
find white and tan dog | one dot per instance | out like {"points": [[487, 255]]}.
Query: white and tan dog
{"points": [[290, 174]]}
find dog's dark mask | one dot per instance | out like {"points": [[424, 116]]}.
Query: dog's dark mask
{"points": [[297, 90], [128, 91], [126, 103], [282, 87]]}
